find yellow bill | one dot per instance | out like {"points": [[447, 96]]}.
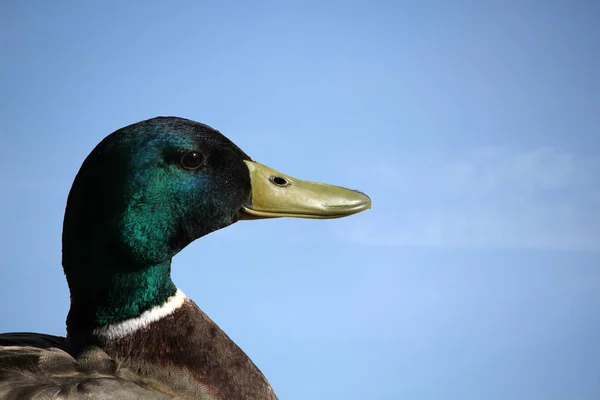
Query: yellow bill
{"points": [[277, 195]]}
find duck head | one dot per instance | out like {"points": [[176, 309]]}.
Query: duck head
{"points": [[151, 188]]}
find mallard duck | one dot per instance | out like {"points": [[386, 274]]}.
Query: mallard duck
{"points": [[143, 194]]}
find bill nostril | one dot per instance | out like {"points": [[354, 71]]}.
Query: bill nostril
{"points": [[279, 181]]}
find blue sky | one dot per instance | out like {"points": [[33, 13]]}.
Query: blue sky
{"points": [[474, 127]]}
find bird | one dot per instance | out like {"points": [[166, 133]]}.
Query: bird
{"points": [[143, 194]]}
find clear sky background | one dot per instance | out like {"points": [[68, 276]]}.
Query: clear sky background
{"points": [[473, 125]]}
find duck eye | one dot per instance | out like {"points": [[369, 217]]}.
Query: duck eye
{"points": [[279, 181], [191, 160]]}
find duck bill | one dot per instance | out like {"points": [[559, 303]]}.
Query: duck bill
{"points": [[276, 195]]}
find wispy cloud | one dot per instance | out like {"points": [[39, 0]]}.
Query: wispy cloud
{"points": [[494, 197]]}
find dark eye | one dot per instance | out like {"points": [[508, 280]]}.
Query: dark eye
{"points": [[279, 181], [191, 160]]}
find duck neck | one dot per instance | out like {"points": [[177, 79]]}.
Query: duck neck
{"points": [[107, 294]]}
